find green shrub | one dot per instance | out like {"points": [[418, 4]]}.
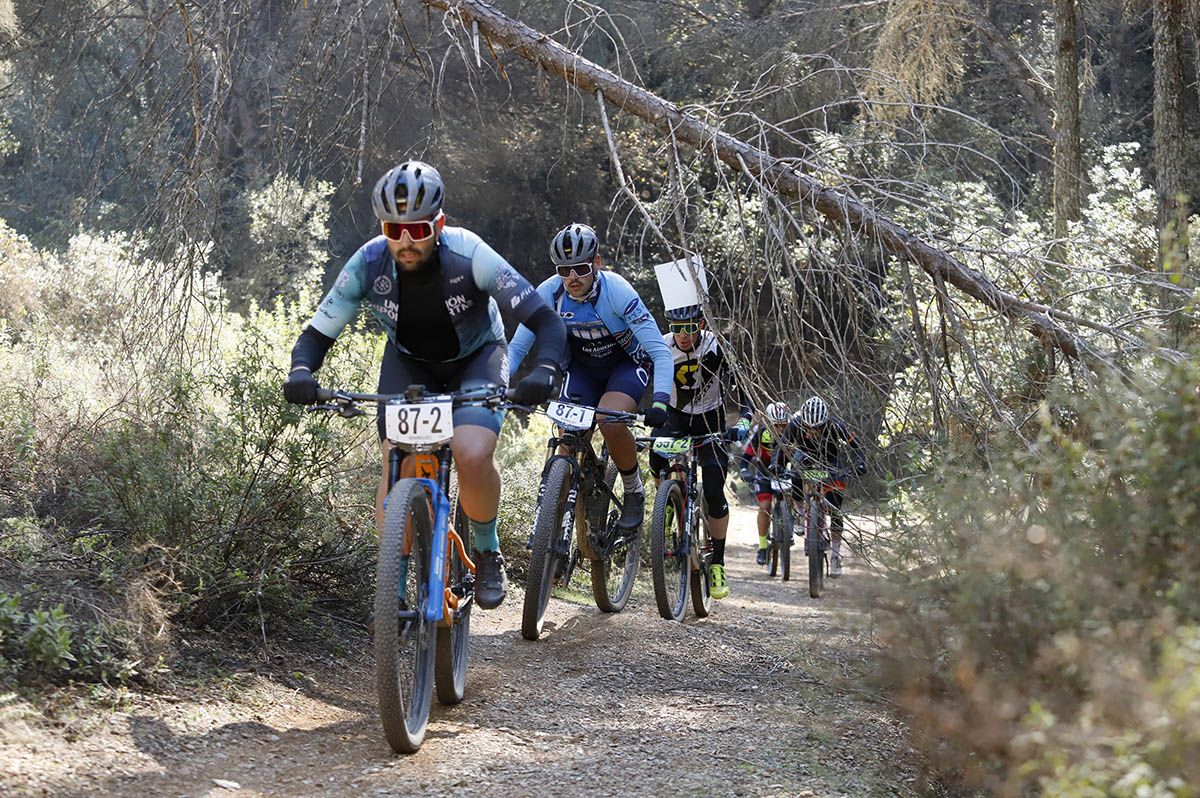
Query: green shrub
{"points": [[47, 640], [1048, 585]]}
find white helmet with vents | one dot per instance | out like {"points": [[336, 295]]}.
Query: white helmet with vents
{"points": [[778, 412], [814, 412]]}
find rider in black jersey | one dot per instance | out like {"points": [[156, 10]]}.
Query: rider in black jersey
{"points": [[821, 440], [436, 291]]}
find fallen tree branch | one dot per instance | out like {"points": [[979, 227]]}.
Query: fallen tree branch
{"points": [[840, 209]]}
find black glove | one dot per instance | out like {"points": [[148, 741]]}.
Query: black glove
{"points": [[537, 386], [656, 415], [300, 388], [860, 465]]}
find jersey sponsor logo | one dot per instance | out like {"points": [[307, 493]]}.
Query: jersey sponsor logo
{"points": [[635, 306], [391, 309], [342, 281], [458, 304], [457, 279], [519, 298], [566, 314], [383, 285], [685, 374], [506, 279]]}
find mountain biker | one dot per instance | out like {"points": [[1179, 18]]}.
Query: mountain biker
{"points": [[697, 407], [758, 456], [434, 290], [613, 344], [818, 437]]}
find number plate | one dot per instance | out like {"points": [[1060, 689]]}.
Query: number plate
{"points": [[816, 474], [419, 424], [781, 484], [670, 446], [571, 416]]}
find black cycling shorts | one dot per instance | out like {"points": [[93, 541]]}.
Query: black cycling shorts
{"points": [[488, 365]]}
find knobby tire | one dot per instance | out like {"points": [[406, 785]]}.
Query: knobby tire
{"points": [[543, 560], [404, 651], [669, 566]]}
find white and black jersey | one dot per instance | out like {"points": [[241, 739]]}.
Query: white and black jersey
{"points": [[696, 380]]}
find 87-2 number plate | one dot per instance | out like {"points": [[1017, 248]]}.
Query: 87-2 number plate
{"points": [[425, 423]]}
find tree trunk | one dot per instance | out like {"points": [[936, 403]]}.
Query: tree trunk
{"points": [[841, 210], [1028, 83], [1068, 155], [1169, 165]]}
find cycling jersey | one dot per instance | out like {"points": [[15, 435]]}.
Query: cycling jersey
{"points": [[473, 279], [761, 445], [609, 327], [698, 375], [826, 447]]}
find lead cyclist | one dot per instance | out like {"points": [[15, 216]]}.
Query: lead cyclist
{"points": [[436, 292]]}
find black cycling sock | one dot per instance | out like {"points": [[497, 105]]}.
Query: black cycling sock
{"points": [[718, 552]]}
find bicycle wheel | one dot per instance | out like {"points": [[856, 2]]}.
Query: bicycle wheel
{"points": [[543, 561], [615, 570], [404, 649], [815, 551], [450, 663], [785, 542], [773, 538], [701, 588], [669, 563]]}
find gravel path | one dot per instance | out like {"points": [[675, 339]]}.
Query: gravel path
{"points": [[765, 697]]}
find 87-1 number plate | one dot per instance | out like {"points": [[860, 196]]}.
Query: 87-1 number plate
{"points": [[571, 416], [419, 424]]}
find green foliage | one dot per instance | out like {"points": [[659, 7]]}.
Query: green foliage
{"points": [[1047, 597], [47, 640], [286, 246], [520, 455]]}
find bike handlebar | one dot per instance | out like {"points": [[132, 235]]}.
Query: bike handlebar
{"points": [[490, 396]]}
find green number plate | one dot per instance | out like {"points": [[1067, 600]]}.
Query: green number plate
{"points": [[671, 445]]}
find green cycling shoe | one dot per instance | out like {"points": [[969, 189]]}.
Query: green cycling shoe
{"points": [[718, 585]]}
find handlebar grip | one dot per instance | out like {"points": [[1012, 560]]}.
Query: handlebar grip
{"points": [[325, 394]]}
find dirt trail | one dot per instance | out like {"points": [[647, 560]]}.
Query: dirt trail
{"points": [[762, 698]]}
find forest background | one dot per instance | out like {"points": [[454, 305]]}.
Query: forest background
{"points": [[179, 181]]}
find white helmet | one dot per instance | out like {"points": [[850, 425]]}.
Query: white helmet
{"points": [[778, 412], [814, 412]]}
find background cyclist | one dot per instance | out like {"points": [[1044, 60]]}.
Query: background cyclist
{"points": [[697, 407], [758, 456], [818, 440]]}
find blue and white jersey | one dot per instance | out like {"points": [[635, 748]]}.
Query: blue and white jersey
{"points": [[612, 325]]}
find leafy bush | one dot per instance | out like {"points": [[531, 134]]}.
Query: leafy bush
{"points": [[1047, 598]]}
